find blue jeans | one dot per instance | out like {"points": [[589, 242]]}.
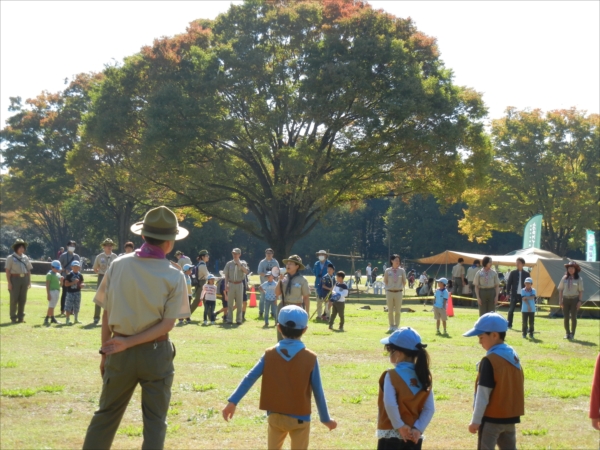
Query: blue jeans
{"points": [[261, 303], [272, 307]]}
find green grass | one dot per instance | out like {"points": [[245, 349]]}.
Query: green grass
{"points": [[51, 373]]}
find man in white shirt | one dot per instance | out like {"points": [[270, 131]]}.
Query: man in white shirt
{"points": [[471, 271], [369, 273]]}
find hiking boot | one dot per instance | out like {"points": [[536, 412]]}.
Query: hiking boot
{"points": [[53, 320]]}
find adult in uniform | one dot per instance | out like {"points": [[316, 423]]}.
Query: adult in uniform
{"points": [[570, 293], [458, 279], [514, 284], [293, 287], [235, 272], [266, 265], [142, 295], [182, 260], [394, 279], [487, 287], [471, 272], [201, 276], [101, 264], [66, 259], [18, 274]]}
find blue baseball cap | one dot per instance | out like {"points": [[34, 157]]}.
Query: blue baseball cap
{"points": [[442, 280], [75, 264], [269, 274], [187, 267], [488, 323], [294, 314], [210, 276], [529, 280], [405, 337], [56, 264]]}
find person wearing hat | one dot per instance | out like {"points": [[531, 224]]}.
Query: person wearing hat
{"points": [[201, 277], [293, 287], [53, 280], [209, 296], [290, 374], [265, 266], [235, 273], [142, 295], [18, 275], [487, 287], [66, 259], [182, 260], [405, 401], [570, 292], [499, 387], [73, 282], [101, 264], [439, 304], [320, 270], [528, 295], [394, 279]]}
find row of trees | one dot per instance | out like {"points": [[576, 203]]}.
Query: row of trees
{"points": [[296, 125]]}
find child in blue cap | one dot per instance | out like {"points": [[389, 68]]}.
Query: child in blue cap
{"points": [[209, 296], [405, 400], [440, 303], [53, 280], [499, 388], [528, 295], [290, 373]]}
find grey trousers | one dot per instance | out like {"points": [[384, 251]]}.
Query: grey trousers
{"points": [[503, 434], [151, 368], [235, 297], [18, 297], [97, 309], [487, 297]]}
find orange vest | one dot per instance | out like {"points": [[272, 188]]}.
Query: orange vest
{"points": [[409, 404], [286, 387], [508, 396]]}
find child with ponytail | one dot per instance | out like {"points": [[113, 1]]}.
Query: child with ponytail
{"points": [[405, 400]]}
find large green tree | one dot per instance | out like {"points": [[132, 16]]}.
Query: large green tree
{"points": [[543, 163], [286, 110]]}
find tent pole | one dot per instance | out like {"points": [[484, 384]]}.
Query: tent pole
{"points": [[446, 270]]}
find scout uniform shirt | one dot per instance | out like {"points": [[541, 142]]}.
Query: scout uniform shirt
{"points": [[571, 287], [394, 279], [102, 262], [458, 271], [138, 293], [18, 265], [298, 290], [233, 273], [486, 280]]}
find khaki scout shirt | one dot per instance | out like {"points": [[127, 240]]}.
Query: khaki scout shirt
{"points": [[571, 289], [102, 262], [298, 290], [138, 293], [458, 271], [233, 272], [486, 280], [18, 264], [394, 279]]}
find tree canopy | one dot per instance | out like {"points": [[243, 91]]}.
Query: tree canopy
{"points": [[543, 163], [287, 110]]}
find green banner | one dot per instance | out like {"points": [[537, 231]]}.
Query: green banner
{"points": [[532, 235], [590, 247]]}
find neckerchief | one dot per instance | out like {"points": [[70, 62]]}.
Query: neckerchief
{"points": [[288, 348], [150, 251], [406, 370], [507, 352]]}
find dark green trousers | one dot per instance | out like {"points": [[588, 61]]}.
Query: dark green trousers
{"points": [[197, 293], [151, 366], [97, 309], [18, 297]]}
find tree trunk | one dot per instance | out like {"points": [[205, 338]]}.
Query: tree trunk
{"points": [[281, 248]]}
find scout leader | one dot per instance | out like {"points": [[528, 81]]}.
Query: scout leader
{"points": [[142, 295], [293, 288], [101, 264], [18, 275], [235, 272]]}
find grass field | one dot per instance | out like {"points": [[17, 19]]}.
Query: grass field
{"points": [[50, 381]]}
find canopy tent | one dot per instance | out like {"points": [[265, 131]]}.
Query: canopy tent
{"points": [[530, 255]]}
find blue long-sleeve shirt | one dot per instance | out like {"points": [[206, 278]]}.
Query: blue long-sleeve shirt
{"points": [[320, 269], [315, 381]]}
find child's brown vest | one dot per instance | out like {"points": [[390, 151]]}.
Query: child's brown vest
{"points": [[508, 396], [409, 404], [286, 387]]}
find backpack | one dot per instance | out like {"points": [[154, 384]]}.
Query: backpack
{"points": [[194, 276]]}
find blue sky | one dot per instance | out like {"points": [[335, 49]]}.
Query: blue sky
{"points": [[524, 54]]}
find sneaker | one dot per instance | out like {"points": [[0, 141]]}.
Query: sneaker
{"points": [[572, 336], [68, 322], [445, 332], [260, 315], [567, 336], [75, 321], [341, 328], [188, 321], [390, 330], [239, 323], [180, 324], [331, 327], [96, 321], [531, 335], [213, 322], [438, 332], [510, 326], [205, 322], [46, 321], [524, 336]]}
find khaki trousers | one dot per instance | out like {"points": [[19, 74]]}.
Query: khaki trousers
{"points": [[322, 305], [96, 307], [394, 304], [281, 425], [151, 366], [18, 297], [503, 434], [197, 293], [235, 298], [487, 297]]}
